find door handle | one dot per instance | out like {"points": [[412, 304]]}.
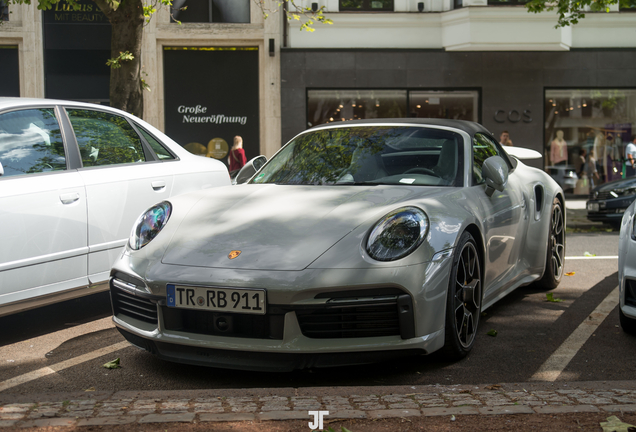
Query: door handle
{"points": [[69, 198], [158, 185]]}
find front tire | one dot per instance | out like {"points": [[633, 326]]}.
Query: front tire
{"points": [[628, 324], [555, 259], [463, 302]]}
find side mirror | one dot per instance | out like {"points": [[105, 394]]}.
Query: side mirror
{"points": [[495, 172], [1, 169], [249, 169]]}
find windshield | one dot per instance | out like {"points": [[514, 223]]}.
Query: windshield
{"points": [[368, 155]]}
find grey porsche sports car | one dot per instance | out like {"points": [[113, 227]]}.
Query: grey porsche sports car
{"points": [[356, 242]]}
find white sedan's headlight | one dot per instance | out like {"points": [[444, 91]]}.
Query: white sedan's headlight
{"points": [[149, 224], [397, 234]]}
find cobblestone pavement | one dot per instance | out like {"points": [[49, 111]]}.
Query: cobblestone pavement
{"points": [[120, 408]]}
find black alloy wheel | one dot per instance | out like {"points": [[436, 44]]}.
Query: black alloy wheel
{"points": [[556, 248], [463, 305]]}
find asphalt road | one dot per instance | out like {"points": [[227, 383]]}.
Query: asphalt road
{"points": [[529, 331]]}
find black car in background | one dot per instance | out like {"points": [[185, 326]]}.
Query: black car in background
{"points": [[608, 202]]}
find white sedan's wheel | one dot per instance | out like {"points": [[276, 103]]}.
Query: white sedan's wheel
{"points": [[463, 305]]}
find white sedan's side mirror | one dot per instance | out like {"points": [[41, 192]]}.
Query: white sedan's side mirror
{"points": [[495, 172], [1, 169]]}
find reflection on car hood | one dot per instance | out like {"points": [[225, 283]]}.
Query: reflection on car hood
{"points": [[278, 227]]}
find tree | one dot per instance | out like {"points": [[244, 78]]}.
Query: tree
{"points": [[127, 18], [571, 11]]}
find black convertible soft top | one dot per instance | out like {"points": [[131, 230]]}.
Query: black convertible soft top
{"points": [[464, 125]]}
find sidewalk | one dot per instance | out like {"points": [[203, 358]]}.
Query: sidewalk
{"points": [[259, 405]]}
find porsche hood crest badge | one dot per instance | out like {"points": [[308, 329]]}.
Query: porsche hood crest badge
{"points": [[234, 254]]}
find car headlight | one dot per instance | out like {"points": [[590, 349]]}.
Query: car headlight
{"points": [[149, 224], [397, 234]]}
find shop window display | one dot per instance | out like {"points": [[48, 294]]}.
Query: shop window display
{"points": [[586, 133], [448, 104], [327, 106]]}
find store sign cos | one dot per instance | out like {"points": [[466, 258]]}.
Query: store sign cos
{"points": [[513, 116]]}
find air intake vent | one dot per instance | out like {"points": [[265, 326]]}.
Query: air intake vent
{"points": [[377, 317], [133, 306], [268, 326], [630, 292]]}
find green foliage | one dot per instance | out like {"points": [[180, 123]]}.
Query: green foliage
{"points": [[569, 12], [296, 12], [549, 297], [115, 63]]}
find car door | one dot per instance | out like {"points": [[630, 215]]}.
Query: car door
{"points": [[43, 222], [504, 220], [123, 178]]}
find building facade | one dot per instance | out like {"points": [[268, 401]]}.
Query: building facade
{"points": [[213, 68], [224, 70], [558, 91]]}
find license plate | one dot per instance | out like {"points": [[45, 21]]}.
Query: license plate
{"points": [[592, 207], [245, 301]]}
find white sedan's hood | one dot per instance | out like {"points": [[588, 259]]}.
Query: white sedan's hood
{"points": [[277, 227]]}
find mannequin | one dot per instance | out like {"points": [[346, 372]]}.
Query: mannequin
{"points": [[599, 154], [559, 150]]}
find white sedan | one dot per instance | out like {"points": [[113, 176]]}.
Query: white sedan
{"points": [[74, 177]]}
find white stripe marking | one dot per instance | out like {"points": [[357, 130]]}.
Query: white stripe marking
{"points": [[557, 362], [591, 257], [36, 374]]}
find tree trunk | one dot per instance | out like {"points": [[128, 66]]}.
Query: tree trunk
{"points": [[126, 92]]}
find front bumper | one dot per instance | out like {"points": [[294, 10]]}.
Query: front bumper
{"points": [[363, 316], [608, 211]]}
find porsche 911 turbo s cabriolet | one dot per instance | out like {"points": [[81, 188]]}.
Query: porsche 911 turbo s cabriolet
{"points": [[356, 242]]}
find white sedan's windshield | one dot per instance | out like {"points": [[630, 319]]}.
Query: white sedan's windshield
{"points": [[405, 155]]}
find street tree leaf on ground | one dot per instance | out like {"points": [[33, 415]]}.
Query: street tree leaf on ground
{"points": [[114, 364]]}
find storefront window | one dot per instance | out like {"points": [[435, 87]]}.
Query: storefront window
{"points": [[507, 2], [366, 5], [586, 132], [327, 106], [458, 105], [4, 11], [208, 11]]}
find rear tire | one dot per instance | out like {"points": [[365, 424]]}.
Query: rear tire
{"points": [[463, 300], [628, 324], [555, 258]]}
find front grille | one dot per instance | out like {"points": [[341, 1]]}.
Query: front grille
{"points": [[602, 195], [268, 326], [373, 318], [128, 304]]}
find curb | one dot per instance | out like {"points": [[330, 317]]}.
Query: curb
{"points": [[259, 405]]}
